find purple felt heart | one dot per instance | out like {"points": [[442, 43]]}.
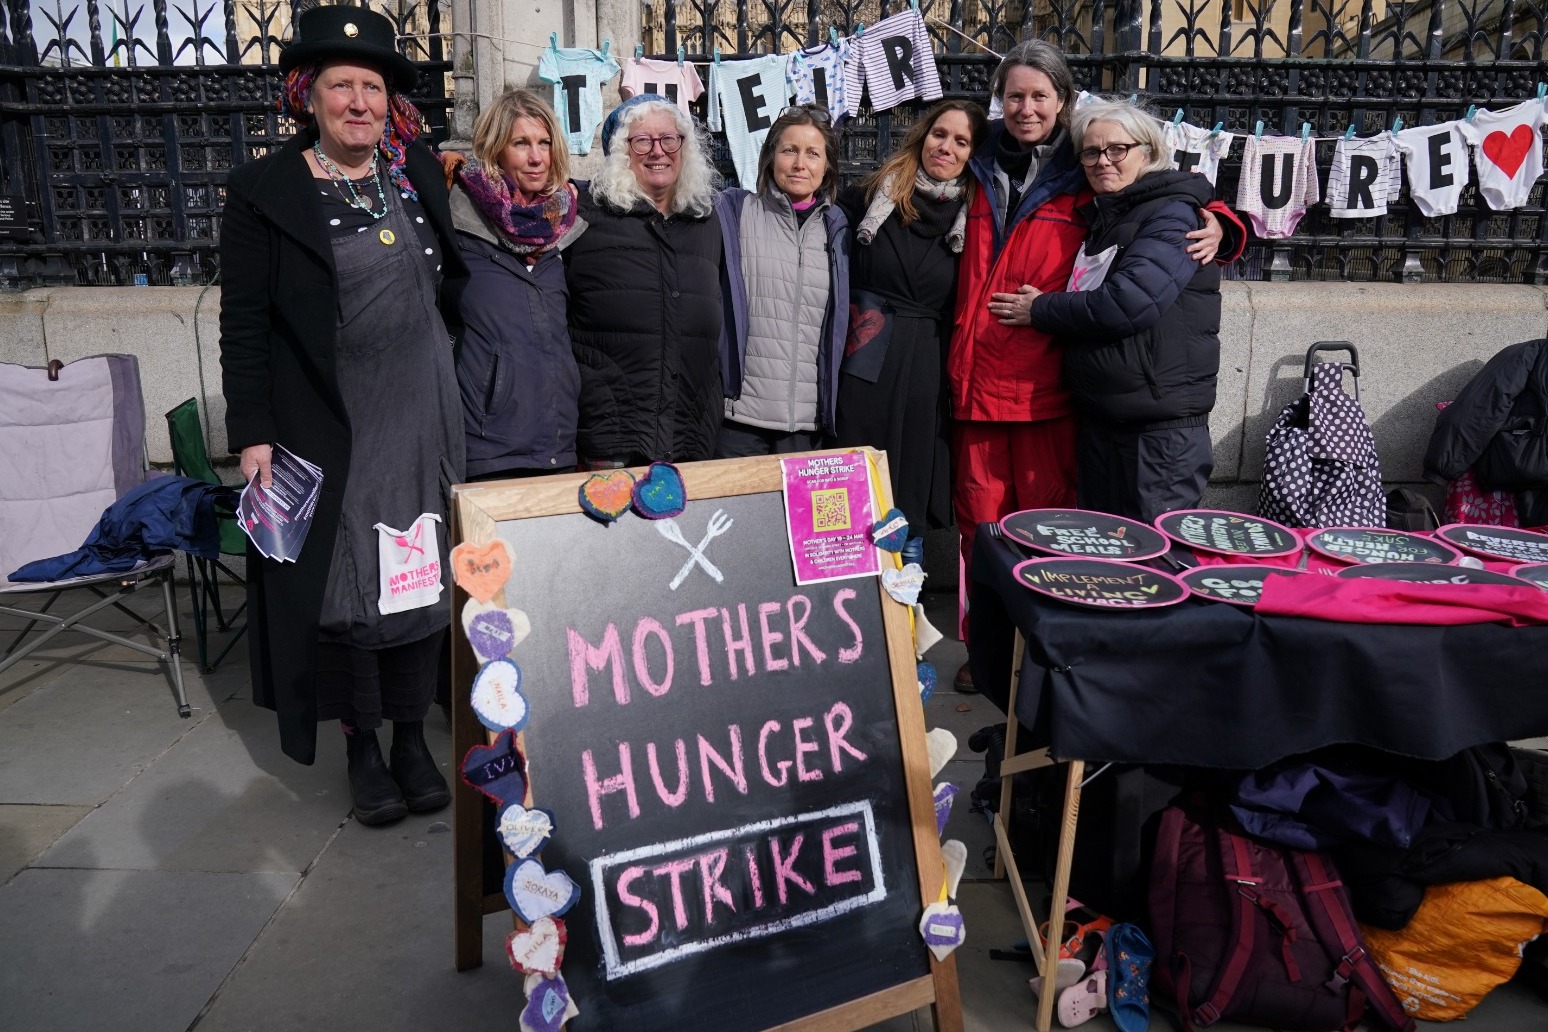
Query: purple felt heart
{"points": [[942, 928], [533, 892], [945, 793], [891, 531], [928, 679], [547, 1002], [498, 770], [491, 633], [660, 493]]}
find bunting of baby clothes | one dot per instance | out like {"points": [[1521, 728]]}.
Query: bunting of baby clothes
{"points": [[747, 96], [577, 75], [899, 61], [1436, 156], [1507, 152], [818, 76], [1196, 150], [1279, 181], [679, 83], [1366, 174]]}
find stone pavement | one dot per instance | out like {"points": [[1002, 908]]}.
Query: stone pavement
{"points": [[161, 875]]}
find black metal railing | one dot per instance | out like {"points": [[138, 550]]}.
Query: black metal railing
{"points": [[1326, 63], [120, 119]]}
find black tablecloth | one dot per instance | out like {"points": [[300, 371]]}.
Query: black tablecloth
{"points": [[1214, 685]]}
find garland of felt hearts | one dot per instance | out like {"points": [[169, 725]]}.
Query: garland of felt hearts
{"points": [[658, 495]]}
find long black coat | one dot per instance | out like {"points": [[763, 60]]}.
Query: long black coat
{"points": [[278, 314]]}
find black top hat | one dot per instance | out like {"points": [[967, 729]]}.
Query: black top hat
{"points": [[345, 33]]}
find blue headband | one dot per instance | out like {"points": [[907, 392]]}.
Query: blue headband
{"points": [[610, 127]]}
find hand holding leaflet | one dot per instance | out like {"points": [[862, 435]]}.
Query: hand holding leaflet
{"points": [[276, 519]]}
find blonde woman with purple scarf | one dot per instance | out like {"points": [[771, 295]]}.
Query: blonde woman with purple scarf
{"points": [[514, 210]]}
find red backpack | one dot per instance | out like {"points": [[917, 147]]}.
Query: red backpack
{"points": [[1252, 932]]}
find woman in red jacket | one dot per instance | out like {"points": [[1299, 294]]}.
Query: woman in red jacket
{"points": [[1014, 440]]}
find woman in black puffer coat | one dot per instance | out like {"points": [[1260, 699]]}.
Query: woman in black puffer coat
{"points": [[1139, 322]]}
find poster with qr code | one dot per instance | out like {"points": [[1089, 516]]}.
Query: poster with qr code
{"points": [[829, 513]]}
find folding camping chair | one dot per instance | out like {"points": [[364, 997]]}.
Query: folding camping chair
{"points": [[72, 441], [190, 459]]}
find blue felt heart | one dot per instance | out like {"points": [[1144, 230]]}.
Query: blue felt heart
{"points": [[533, 892], [660, 493], [891, 531], [498, 770], [928, 679]]}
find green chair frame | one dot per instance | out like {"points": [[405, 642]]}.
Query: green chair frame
{"points": [[190, 458]]}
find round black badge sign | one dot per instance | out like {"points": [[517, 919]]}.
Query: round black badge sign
{"points": [[1508, 543], [1101, 583], [1239, 584], [1537, 574], [1374, 545], [1233, 533], [1428, 573], [1081, 532]]}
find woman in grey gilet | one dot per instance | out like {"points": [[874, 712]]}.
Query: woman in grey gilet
{"points": [[785, 282]]}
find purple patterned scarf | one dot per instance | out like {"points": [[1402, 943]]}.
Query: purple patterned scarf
{"points": [[528, 229]]}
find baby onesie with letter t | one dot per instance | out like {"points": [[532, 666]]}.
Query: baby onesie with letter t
{"points": [[577, 75]]}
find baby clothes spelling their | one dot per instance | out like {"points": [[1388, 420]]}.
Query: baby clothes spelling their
{"points": [[817, 76], [1279, 180], [1196, 150], [577, 75], [1366, 174], [747, 96], [899, 61], [1436, 156], [1507, 152], [679, 83]]}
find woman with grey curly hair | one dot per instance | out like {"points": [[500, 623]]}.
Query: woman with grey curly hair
{"points": [[645, 301]]}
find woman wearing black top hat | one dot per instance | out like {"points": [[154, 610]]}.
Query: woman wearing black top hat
{"points": [[337, 262]]}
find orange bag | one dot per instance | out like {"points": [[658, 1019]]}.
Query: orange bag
{"points": [[1464, 940]]}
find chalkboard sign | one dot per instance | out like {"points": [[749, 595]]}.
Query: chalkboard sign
{"points": [[735, 765]]}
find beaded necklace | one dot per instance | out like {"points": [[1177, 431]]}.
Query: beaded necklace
{"points": [[338, 176]]}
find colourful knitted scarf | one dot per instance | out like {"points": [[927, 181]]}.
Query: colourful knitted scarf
{"points": [[527, 229]]}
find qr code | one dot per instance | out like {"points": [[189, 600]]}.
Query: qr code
{"points": [[830, 510]]}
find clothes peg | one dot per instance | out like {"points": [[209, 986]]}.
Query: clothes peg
{"points": [[859, 29], [1542, 90], [1349, 133], [681, 54], [1305, 131], [1258, 131], [1218, 127], [639, 51], [833, 36], [1397, 124], [915, 5], [1134, 98], [607, 44], [1178, 117], [1472, 109], [553, 41], [717, 55]]}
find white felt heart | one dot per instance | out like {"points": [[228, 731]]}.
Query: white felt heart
{"points": [[954, 855], [523, 830], [538, 949], [492, 630], [903, 585], [926, 637], [942, 928], [533, 892], [942, 745], [497, 697]]}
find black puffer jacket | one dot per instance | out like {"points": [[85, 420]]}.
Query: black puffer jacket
{"points": [[1141, 349], [645, 315]]}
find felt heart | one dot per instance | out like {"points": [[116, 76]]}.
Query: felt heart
{"points": [[533, 892], [548, 1004], [926, 637], [1508, 152], [903, 585], [539, 949], [660, 494], [954, 856], [607, 496], [927, 681], [863, 327], [497, 698], [942, 928], [498, 770], [493, 631], [891, 531], [523, 830], [945, 794], [942, 746], [481, 570]]}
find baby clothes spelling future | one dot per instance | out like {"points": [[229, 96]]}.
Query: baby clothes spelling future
{"points": [[899, 61], [1508, 152], [679, 83], [1196, 150], [1437, 166], [747, 96], [1366, 174], [1279, 180], [577, 75], [817, 76]]}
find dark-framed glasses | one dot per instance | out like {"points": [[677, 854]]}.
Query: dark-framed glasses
{"points": [[1113, 152], [670, 143]]}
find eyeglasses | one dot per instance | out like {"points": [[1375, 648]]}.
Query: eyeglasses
{"points": [[1113, 152], [670, 143]]}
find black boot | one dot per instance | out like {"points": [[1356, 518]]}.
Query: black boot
{"points": [[371, 787], [414, 768]]}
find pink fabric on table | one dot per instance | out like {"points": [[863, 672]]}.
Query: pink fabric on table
{"points": [[1402, 602]]}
